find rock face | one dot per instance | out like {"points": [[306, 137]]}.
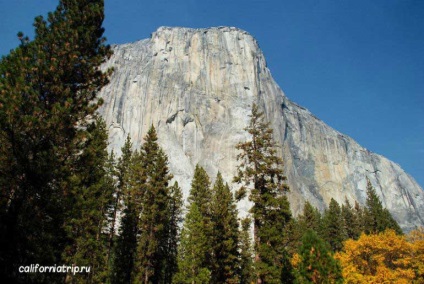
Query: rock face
{"points": [[196, 86]]}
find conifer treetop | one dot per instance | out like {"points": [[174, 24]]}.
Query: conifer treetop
{"points": [[260, 167]]}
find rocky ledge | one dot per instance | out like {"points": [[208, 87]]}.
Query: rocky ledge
{"points": [[196, 86]]}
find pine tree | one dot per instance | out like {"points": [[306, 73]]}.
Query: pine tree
{"points": [[126, 243], [261, 170], [175, 210], [246, 253], [125, 248], [152, 241], [351, 222], [224, 240], [201, 193], [199, 217], [120, 173], [333, 226], [390, 222], [110, 230], [317, 264], [376, 218], [359, 216], [48, 88], [191, 252], [293, 236], [287, 272], [310, 219], [146, 247], [93, 195]]}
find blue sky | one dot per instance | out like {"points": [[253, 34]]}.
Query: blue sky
{"points": [[357, 65]]}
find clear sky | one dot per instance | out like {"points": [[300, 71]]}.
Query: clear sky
{"points": [[356, 64]]}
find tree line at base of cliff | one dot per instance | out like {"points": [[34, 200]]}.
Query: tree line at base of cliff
{"points": [[66, 200]]}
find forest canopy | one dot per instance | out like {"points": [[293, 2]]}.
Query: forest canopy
{"points": [[66, 200]]}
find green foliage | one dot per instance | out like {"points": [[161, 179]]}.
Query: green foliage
{"points": [[113, 206], [225, 254], [192, 250], [48, 89], [123, 171], [125, 248], [359, 213], [87, 218], [246, 252], [146, 248], [175, 210], [201, 193], [352, 220], [310, 219], [200, 199], [260, 170], [154, 212], [271, 250], [126, 243], [376, 218], [333, 226], [62, 194], [287, 272], [293, 236], [316, 263]]}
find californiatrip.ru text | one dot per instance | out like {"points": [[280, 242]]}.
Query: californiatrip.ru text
{"points": [[36, 268]]}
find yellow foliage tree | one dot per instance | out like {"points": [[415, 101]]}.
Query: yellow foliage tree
{"points": [[383, 258], [416, 238]]}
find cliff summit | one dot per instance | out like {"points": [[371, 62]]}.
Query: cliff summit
{"points": [[196, 86]]}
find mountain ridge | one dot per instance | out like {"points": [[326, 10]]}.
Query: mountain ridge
{"points": [[197, 86]]}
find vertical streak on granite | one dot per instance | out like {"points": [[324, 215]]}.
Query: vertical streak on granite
{"points": [[197, 87]]}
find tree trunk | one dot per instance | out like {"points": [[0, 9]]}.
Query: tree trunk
{"points": [[257, 244]]}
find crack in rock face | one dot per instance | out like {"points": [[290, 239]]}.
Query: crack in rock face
{"points": [[197, 86]]}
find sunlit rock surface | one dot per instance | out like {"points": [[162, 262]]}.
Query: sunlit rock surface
{"points": [[196, 86]]}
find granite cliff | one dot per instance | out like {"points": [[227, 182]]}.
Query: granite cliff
{"points": [[196, 86]]}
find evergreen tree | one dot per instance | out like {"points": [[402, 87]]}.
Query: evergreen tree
{"points": [[110, 229], [287, 271], [48, 88], [246, 253], [260, 170], [333, 226], [125, 248], [152, 241], [293, 236], [376, 218], [175, 208], [359, 215], [317, 264], [93, 195], [201, 193], [191, 252], [121, 176], [126, 242], [351, 222], [310, 219], [390, 222], [146, 247], [200, 200], [225, 234]]}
